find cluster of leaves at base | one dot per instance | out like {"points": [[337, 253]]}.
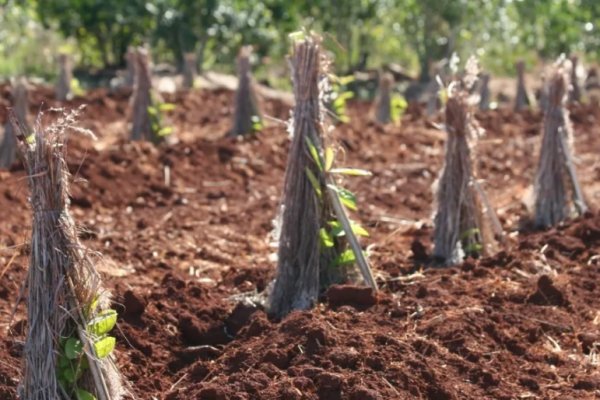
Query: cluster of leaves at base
{"points": [[76, 87], [73, 362], [332, 230], [339, 96], [257, 124], [471, 240], [398, 107], [157, 123]]}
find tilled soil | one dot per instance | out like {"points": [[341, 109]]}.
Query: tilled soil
{"points": [[185, 233]]}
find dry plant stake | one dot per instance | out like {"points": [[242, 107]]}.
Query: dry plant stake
{"points": [[575, 92], [383, 105], [522, 99], [8, 144], [484, 92], [130, 58], [246, 116], [68, 351], [556, 182], [464, 223], [189, 70], [433, 89], [315, 230], [147, 106], [65, 75], [141, 128]]}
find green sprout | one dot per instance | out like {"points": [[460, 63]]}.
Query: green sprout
{"points": [[157, 124], [398, 107], [332, 233], [340, 95]]}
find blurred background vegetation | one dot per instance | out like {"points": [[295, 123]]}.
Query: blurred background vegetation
{"points": [[361, 33]]}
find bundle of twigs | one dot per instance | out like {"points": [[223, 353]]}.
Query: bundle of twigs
{"points": [[189, 70], [556, 189], [522, 99], [142, 100], [8, 143], [462, 220], [383, 104], [246, 114], [304, 265], [64, 289], [65, 75]]}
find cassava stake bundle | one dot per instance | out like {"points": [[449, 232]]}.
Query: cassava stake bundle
{"points": [[189, 70], [8, 143], [68, 349], [383, 105], [147, 106], [522, 98], [65, 75], [556, 189], [463, 217], [246, 116], [317, 241]]}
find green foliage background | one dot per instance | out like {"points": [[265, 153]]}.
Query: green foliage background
{"points": [[360, 33]]}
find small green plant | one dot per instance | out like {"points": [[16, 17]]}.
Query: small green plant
{"points": [[76, 87], [157, 121], [73, 362], [332, 232], [398, 107], [257, 124], [339, 96]]}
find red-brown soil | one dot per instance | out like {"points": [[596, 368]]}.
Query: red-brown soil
{"points": [[181, 256]]}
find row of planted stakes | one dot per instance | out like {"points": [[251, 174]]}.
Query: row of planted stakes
{"points": [[68, 352]]}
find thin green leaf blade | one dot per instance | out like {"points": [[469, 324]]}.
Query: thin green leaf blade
{"points": [[314, 181], [351, 171], [314, 153]]}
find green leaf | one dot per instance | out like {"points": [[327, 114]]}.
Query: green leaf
{"points": [[165, 131], [152, 110], [257, 124], [165, 107], [63, 362], [314, 153], [346, 197], [469, 233], [344, 258], [474, 248], [314, 181], [104, 346], [326, 238], [93, 306], [329, 156], [297, 36], [103, 323], [68, 374], [84, 395], [337, 230], [351, 171], [73, 348]]}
